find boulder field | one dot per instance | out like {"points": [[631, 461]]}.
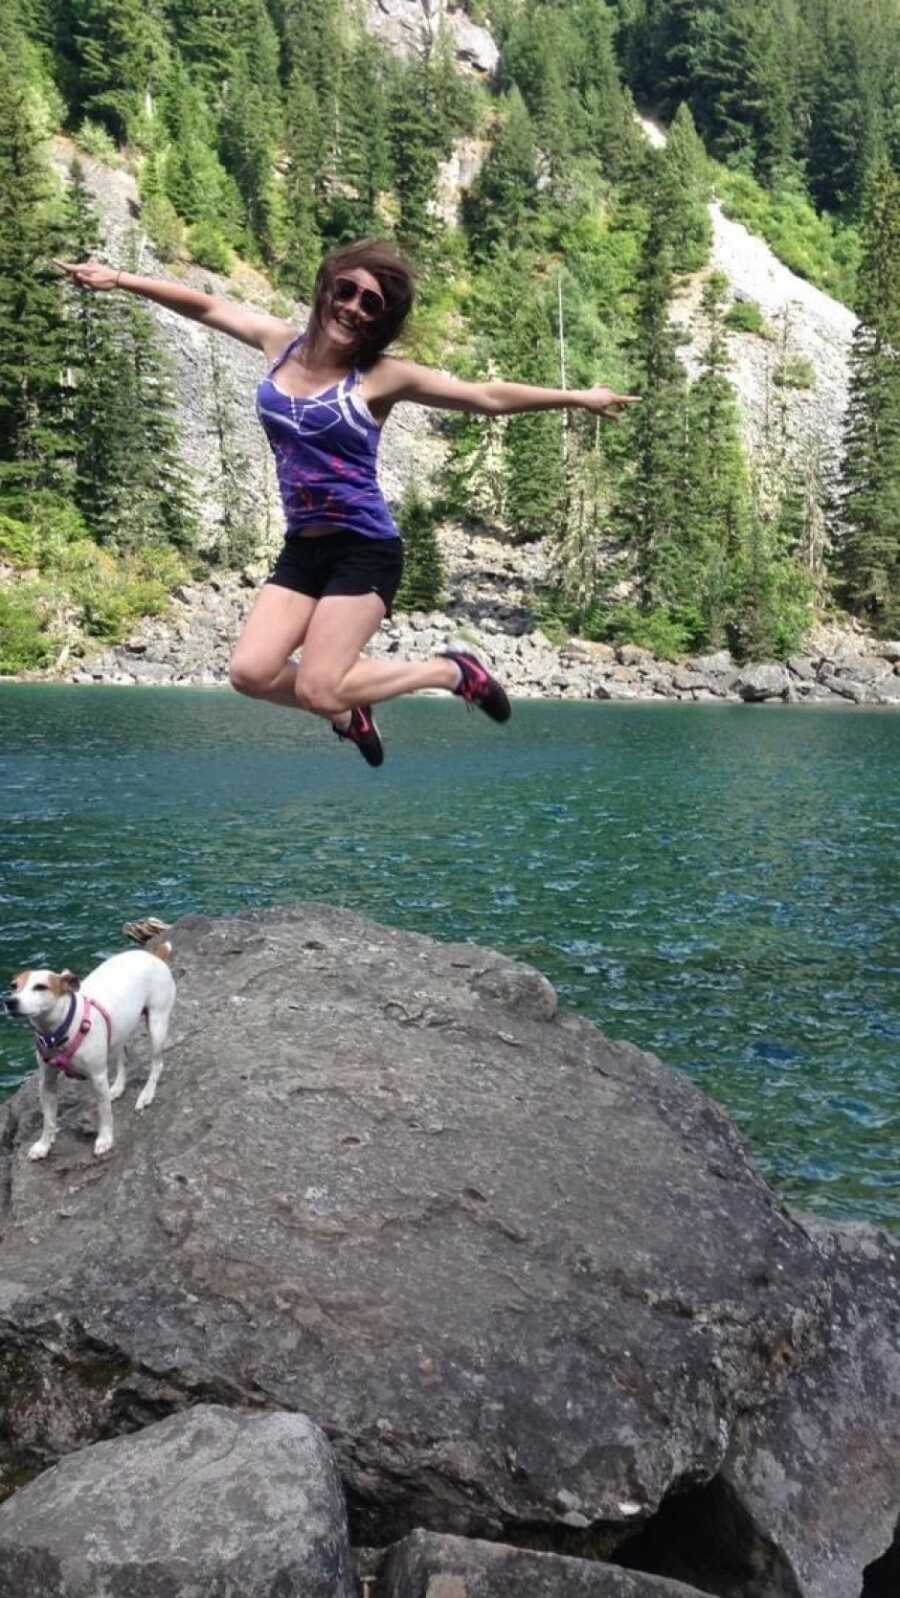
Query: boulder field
{"points": [[524, 1282]]}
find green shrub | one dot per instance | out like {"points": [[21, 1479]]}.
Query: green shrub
{"points": [[96, 141], [423, 571], [208, 247], [112, 597], [666, 636], [164, 226], [795, 371], [18, 542], [26, 640], [745, 316]]}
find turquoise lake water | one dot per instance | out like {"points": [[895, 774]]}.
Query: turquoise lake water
{"points": [[718, 884]]}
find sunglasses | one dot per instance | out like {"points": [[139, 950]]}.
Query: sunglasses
{"points": [[346, 292]]}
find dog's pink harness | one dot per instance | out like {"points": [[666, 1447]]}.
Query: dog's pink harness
{"points": [[61, 1058]]}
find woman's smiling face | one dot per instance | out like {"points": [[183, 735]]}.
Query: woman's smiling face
{"points": [[349, 314]]}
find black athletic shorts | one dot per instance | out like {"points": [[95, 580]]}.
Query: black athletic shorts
{"points": [[340, 563]]}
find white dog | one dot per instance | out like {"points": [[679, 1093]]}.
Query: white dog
{"points": [[82, 1028]]}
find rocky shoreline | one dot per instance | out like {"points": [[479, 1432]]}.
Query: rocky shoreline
{"points": [[489, 607]]}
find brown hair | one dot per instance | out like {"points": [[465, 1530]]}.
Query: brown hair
{"points": [[395, 278]]}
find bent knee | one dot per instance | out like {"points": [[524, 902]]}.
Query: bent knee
{"points": [[317, 693], [247, 676]]}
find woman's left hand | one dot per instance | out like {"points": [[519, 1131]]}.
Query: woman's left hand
{"points": [[606, 403]]}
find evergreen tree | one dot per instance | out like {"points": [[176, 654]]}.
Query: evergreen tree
{"points": [[717, 504], [417, 147], [504, 195], [654, 495], [304, 151], [684, 194], [248, 146], [868, 547], [118, 57], [362, 165], [97, 426], [423, 569], [32, 439], [238, 535], [193, 177]]}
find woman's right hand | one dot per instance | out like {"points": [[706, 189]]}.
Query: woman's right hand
{"points": [[91, 275]]}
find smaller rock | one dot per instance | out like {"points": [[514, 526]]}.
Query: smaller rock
{"points": [[757, 683], [210, 1500], [634, 655], [428, 1565]]}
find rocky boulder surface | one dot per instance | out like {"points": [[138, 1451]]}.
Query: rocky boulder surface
{"points": [[208, 1502], [525, 1279]]}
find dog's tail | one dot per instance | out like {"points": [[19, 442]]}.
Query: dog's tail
{"points": [[145, 932]]}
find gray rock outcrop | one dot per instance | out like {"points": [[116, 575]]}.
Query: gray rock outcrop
{"points": [[426, 1565], [413, 27], [208, 1502], [525, 1278]]}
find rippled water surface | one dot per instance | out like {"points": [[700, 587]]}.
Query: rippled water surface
{"points": [[720, 885]]}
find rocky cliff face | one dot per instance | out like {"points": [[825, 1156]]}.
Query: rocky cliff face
{"points": [[803, 322], [412, 27]]}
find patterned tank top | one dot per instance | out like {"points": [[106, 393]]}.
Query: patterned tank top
{"points": [[325, 449]]}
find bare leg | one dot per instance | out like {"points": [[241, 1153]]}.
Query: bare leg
{"points": [[48, 1089], [275, 627], [332, 678]]}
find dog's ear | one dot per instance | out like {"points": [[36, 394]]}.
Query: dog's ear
{"points": [[69, 981]]}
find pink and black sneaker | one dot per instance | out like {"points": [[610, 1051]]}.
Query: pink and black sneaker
{"points": [[478, 687], [363, 732]]}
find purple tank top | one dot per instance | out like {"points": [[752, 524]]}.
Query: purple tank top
{"points": [[325, 450]]}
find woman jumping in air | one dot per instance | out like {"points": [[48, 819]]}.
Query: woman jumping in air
{"points": [[326, 395]]}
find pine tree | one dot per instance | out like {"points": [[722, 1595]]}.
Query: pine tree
{"points": [[130, 483], [362, 164], [684, 193], [503, 197], [305, 152], [868, 546], [186, 166], [118, 59], [417, 146], [32, 398], [654, 495], [717, 501], [423, 569], [239, 535]]}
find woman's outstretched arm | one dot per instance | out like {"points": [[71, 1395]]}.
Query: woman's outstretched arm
{"points": [[268, 333], [391, 380]]}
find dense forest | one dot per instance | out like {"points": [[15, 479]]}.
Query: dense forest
{"points": [[270, 130]]}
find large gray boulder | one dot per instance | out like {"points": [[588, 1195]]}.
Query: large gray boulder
{"points": [[427, 1565], [523, 1277], [210, 1502]]}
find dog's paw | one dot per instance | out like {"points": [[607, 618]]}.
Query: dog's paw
{"points": [[145, 1097], [116, 1092], [102, 1146], [39, 1150]]}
